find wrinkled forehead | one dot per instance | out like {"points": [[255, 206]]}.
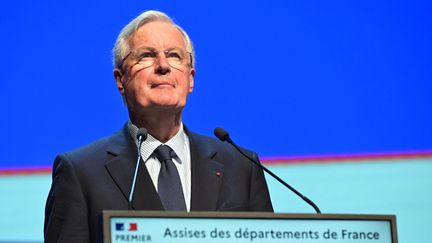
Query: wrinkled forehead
{"points": [[159, 35]]}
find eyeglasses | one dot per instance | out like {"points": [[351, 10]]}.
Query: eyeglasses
{"points": [[147, 56]]}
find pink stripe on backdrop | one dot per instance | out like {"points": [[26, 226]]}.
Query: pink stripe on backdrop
{"points": [[271, 160], [24, 171], [346, 157]]}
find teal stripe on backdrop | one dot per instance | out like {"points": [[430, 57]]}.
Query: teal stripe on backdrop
{"points": [[22, 207], [400, 187]]}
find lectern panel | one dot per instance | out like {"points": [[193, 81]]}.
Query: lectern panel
{"points": [[216, 227]]}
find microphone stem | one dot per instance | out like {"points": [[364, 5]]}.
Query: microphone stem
{"points": [[135, 174], [307, 200]]}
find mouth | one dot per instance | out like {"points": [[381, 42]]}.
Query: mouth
{"points": [[163, 85]]}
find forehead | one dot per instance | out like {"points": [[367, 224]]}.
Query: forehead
{"points": [[160, 35]]}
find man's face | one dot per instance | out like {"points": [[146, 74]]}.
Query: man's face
{"points": [[160, 85]]}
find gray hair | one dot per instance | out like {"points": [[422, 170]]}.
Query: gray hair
{"points": [[121, 47]]}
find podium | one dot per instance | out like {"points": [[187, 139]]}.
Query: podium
{"points": [[246, 227]]}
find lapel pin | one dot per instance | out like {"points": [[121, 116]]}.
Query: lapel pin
{"points": [[218, 173]]}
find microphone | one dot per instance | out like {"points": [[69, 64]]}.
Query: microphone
{"points": [[224, 136], [141, 137]]}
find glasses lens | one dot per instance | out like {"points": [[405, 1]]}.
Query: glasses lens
{"points": [[145, 57], [176, 57]]}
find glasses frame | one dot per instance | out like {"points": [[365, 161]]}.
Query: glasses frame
{"points": [[120, 65]]}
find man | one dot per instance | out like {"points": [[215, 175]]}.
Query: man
{"points": [[154, 72]]}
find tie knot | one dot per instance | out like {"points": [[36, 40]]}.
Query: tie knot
{"points": [[163, 152]]}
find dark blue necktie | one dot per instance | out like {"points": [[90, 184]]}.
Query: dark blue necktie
{"points": [[169, 185]]}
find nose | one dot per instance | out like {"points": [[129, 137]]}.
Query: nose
{"points": [[162, 66]]}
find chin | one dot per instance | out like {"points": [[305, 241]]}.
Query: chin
{"points": [[168, 105]]}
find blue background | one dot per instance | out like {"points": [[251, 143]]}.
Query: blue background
{"points": [[284, 77]]}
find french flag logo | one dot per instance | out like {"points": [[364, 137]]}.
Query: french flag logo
{"points": [[126, 227]]}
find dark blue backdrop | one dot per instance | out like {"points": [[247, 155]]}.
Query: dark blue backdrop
{"points": [[284, 77]]}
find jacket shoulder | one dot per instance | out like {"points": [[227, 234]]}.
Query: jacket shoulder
{"points": [[112, 144]]}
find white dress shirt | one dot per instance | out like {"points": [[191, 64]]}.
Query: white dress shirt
{"points": [[182, 159]]}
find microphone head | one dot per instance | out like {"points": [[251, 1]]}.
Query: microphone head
{"points": [[221, 134], [142, 133]]}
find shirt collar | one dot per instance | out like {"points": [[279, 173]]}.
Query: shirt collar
{"points": [[177, 143]]}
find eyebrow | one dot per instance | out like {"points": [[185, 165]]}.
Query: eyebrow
{"points": [[153, 48]]}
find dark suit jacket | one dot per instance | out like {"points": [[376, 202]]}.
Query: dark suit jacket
{"points": [[99, 177]]}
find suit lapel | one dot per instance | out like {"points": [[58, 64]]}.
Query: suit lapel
{"points": [[146, 196], [122, 168], [206, 174]]}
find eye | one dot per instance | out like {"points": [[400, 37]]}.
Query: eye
{"points": [[174, 54], [146, 54]]}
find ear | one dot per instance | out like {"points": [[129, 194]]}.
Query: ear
{"points": [[191, 79], [118, 75]]}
